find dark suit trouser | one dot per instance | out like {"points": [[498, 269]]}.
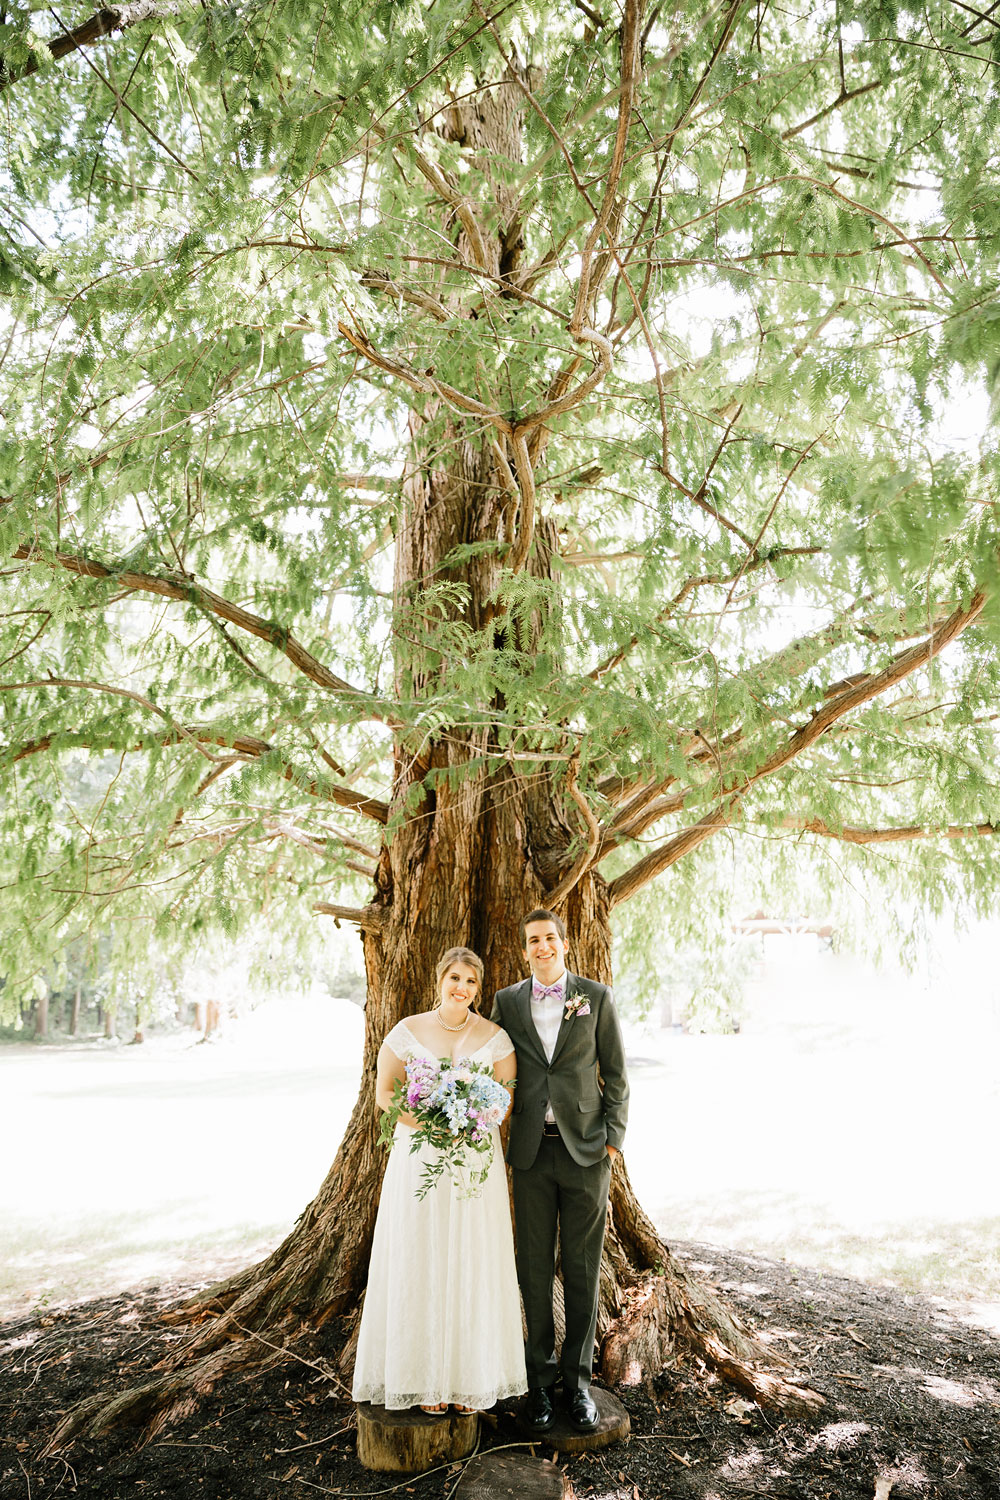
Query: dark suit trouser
{"points": [[556, 1190]]}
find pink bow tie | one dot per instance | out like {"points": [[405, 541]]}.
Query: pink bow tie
{"points": [[543, 991]]}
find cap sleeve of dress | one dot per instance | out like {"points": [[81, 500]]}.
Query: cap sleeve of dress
{"points": [[501, 1046], [400, 1041]]}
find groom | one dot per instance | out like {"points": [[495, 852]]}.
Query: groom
{"points": [[568, 1124]]}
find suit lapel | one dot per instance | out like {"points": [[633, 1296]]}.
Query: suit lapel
{"points": [[523, 1003], [565, 1025]]}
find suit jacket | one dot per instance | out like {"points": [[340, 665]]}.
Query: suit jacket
{"points": [[586, 1080]]}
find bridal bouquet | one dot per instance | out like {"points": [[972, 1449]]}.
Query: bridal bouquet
{"points": [[456, 1105]]}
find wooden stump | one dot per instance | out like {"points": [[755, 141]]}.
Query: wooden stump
{"points": [[614, 1426], [408, 1442], [513, 1476]]}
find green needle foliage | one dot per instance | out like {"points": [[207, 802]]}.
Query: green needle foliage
{"points": [[717, 285]]}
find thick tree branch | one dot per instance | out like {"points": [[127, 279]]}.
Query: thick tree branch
{"points": [[820, 722], [844, 97], [422, 381], [588, 285], [793, 660], [588, 854], [369, 918], [117, 692], [447, 191], [901, 835], [644, 817], [380, 281], [349, 841], [668, 854], [190, 592], [580, 392], [518, 555], [97, 28]]}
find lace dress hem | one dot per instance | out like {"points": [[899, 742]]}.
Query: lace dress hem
{"points": [[403, 1400]]}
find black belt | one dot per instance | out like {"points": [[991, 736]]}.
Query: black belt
{"points": [[550, 1129]]}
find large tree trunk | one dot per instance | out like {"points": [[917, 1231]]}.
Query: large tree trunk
{"points": [[474, 850]]}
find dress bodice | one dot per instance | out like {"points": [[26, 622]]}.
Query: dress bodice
{"points": [[405, 1045]]}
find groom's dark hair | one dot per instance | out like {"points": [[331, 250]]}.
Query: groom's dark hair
{"points": [[541, 915]]}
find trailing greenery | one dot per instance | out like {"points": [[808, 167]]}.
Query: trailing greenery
{"points": [[238, 251]]}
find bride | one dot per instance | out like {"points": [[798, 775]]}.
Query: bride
{"points": [[442, 1316]]}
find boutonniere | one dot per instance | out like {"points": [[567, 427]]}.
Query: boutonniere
{"points": [[576, 1005]]}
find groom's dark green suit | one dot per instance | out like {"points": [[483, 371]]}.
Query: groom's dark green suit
{"points": [[563, 1179]]}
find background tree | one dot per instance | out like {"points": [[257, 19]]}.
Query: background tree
{"points": [[467, 457]]}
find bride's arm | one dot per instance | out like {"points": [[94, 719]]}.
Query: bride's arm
{"points": [[505, 1072], [390, 1071]]}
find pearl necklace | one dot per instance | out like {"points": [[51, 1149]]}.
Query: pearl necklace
{"points": [[465, 1023]]}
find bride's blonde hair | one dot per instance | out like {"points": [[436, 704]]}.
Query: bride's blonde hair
{"points": [[458, 956]]}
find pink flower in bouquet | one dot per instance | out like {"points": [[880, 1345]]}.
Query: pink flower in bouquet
{"points": [[421, 1080]]}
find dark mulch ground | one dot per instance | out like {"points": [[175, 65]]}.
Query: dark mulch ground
{"points": [[913, 1409]]}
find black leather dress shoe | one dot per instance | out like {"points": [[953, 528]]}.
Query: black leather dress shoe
{"points": [[583, 1411], [538, 1412]]}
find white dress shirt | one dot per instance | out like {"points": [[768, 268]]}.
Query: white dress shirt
{"points": [[546, 1017]]}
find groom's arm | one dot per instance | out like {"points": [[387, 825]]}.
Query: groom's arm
{"points": [[496, 1014], [611, 1060]]}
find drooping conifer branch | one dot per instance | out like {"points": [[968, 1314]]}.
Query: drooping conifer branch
{"points": [[688, 587], [246, 746], [641, 802], [871, 686], [189, 591]]}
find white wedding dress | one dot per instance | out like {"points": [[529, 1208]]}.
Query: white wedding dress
{"points": [[442, 1312]]}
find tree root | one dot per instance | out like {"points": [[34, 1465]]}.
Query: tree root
{"points": [[661, 1310], [665, 1309], [245, 1325], [767, 1389], [156, 1404]]}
